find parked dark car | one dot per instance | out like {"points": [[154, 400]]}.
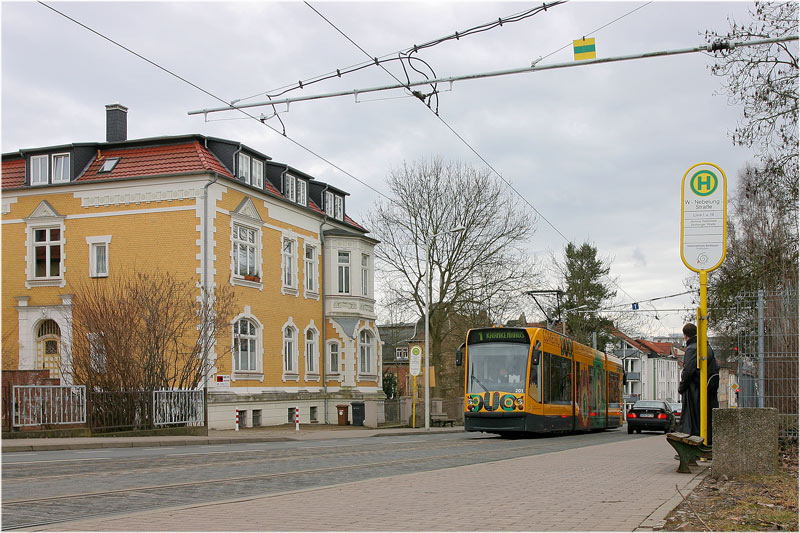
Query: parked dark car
{"points": [[676, 410], [650, 415]]}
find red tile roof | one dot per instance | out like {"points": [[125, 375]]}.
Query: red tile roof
{"points": [[354, 223], [155, 161], [13, 173]]}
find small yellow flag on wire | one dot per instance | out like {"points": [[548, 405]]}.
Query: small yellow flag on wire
{"points": [[584, 49]]}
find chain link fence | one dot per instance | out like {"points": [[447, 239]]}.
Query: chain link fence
{"points": [[767, 342]]}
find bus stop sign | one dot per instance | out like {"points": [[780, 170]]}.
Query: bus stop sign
{"points": [[704, 222]]}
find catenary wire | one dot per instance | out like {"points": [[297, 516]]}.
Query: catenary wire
{"points": [[204, 91], [404, 52], [467, 144]]}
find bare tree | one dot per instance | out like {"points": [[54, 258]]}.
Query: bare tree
{"points": [[763, 79], [145, 331], [478, 274]]}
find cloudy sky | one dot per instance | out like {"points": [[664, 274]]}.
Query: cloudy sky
{"points": [[598, 150]]}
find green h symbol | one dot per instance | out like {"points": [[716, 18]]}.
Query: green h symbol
{"points": [[704, 183]]}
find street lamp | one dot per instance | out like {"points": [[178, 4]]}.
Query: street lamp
{"points": [[428, 295]]}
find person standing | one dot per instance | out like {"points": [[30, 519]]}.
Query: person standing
{"points": [[689, 386]]}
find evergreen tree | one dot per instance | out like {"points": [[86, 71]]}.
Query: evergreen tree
{"points": [[582, 273]]}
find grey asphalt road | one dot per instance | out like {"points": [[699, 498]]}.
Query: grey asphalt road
{"points": [[55, 486]]}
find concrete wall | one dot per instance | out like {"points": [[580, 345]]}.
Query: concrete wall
{"points": [[745, 441]]}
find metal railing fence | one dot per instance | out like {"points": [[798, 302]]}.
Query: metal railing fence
{"points": [[47, 405], [178, 407], [768, 353]]}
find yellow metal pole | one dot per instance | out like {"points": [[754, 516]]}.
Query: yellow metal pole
{"points": [[702, 355], [414, 405]]}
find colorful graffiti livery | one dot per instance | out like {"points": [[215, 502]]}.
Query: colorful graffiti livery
{"points": [[533, 380]]}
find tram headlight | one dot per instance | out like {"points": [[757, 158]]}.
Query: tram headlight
{"points": [[469, 402], [521, 402]]}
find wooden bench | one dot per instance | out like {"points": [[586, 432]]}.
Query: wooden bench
{"points": [[442, 420], [689, 448]]}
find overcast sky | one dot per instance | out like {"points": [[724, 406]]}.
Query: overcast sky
{"points": [[599, 150]]}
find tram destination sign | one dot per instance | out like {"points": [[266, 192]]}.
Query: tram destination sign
{"points": [[477, 336], [704, 223]]}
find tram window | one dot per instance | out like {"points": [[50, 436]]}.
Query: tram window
{"points": [[556, 379]]}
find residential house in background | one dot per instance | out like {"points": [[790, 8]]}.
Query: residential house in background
{"points": [[220, 213], [651, 368], [395, 339]]}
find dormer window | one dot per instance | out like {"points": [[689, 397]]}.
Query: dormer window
{"points": [[109, 164], [244, 168], [338, 208], [295, 189], [60, 168], [258, 174], [40, 170], [302, 194], [329, 203], [289, 185]]}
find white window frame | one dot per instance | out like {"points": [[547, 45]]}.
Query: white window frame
{"points": [[257, 372], [65, 170], [237, 278], [329, 203], [48, 245], [290, 351], [366, 353], [311, 350], [302, 192], [258, 174], [289, 268], [338, 207], [364, 274], [343, 272], [95, 244], [311, 271], [289, 186], [243, 170], [333, 370], [42, 177], [401, 353]]}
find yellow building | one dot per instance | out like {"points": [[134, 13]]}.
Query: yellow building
{"points": [[215, 211]]}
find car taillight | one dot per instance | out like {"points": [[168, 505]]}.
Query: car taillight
{"points": [[662, 416], [631, 415]]}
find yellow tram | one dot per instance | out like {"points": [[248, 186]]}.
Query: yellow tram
{"points": [[534, 380]]}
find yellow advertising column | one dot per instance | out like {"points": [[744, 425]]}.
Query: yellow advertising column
{"points": [[704, 231]]}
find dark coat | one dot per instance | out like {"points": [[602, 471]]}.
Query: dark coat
{"points": [[690, 389]]}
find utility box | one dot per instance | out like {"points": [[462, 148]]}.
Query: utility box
{"points": [[359, 413], [342, 411]]}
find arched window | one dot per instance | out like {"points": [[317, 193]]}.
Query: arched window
{"points": [[365, 359], [48, 348], [245, 345], [289, 347], [311, 352]]}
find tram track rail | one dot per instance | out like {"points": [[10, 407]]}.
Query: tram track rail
{"points": [[17, 514]]}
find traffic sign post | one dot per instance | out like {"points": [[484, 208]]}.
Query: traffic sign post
{"points": [[704, 231], [415, 364]]}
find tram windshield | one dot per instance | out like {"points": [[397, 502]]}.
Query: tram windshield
{"points": [[497, 366]]}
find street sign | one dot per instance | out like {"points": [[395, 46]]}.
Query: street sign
{"points": [[415, 360], [223, 381], [584, 49], [704, 223]]}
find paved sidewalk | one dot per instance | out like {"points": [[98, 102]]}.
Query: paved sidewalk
{"points": [[624, 486], [262, 434]]}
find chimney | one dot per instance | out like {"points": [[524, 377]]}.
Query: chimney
{"points": [[116, 123]]}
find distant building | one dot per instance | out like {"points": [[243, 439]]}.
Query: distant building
{"points": [[651, 368]]}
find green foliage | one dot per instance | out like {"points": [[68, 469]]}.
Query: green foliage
{"points": [[583, 272], [390, 385]]}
